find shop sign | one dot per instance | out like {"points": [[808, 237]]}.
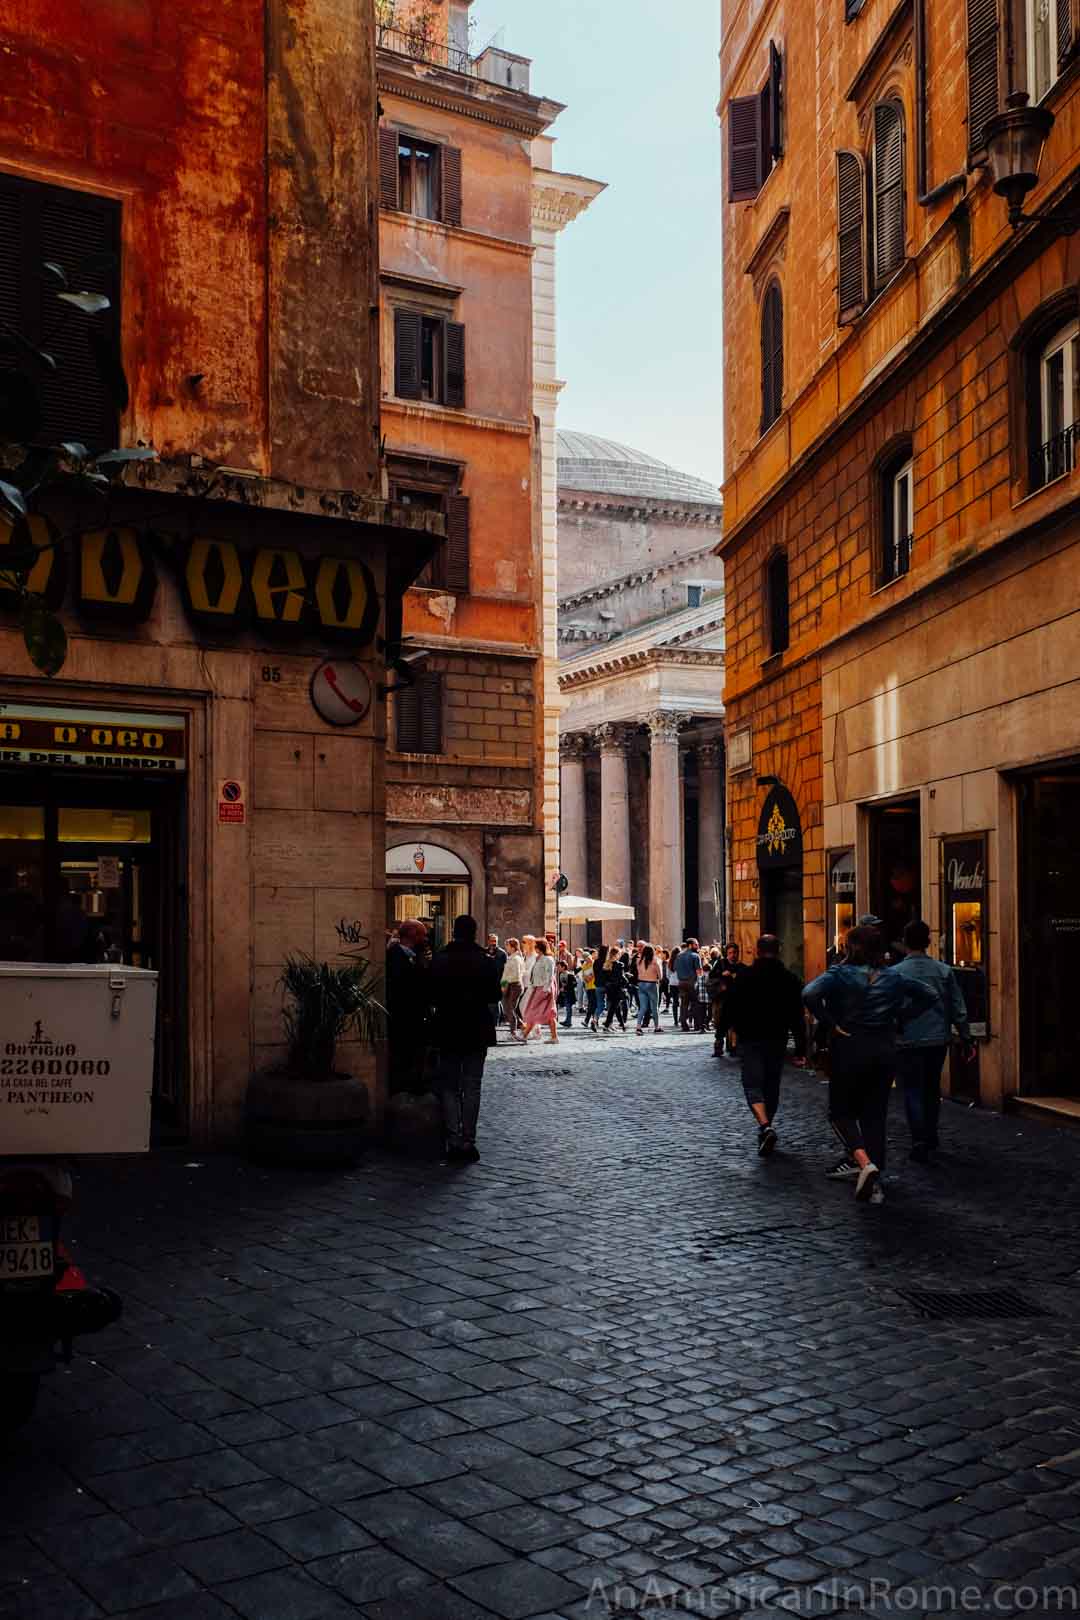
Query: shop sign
{"points": [[232, 803], [427, 861], [340, 693], [842, 874], [966, 922], [273, 589], [779, 839], [42, 736]]}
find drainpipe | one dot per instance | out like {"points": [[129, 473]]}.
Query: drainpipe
{"points": [[955, 182]]}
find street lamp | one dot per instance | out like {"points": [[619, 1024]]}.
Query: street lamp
{"points": [[1014, 146]]}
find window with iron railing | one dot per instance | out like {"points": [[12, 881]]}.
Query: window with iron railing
{"points": [[898, 509], [1056, 420]]}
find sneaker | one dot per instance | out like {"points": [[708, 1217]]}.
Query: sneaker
{"points": [[766, 1141], [869, 1177], [843, 1170], [878, 1194]]}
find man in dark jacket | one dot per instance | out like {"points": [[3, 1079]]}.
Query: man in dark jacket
{"points": [[464, 986], [407, 1006], [763, 1006]]}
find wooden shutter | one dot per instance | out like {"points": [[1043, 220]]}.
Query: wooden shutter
{"points": [[407, 353], [774, 130], [744, 148], [851, 235], [984, 67], [450, 180], [888, 191], [407, 719], [11, 242], [772, 357], [388, 167], [1066, 33], [455, 364], [456, 570], [430, 699]]}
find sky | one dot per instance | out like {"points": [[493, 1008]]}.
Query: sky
{"points": [[640, 272]]}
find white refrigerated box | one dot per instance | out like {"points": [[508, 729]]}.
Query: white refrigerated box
{"points": [[76, 1058]]}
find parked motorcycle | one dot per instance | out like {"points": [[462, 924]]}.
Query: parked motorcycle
{"points": [[45, 1300]]}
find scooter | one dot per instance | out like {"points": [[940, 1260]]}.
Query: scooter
{"points": [[45, 1300]]}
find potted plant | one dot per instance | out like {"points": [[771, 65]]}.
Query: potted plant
{"points": [[307, 1112]]}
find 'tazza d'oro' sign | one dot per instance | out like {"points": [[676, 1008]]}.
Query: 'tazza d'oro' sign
{"points": [[32, 734], [273, 589]]}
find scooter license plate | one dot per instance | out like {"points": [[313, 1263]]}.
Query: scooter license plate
{"points": [[26, 1250]]}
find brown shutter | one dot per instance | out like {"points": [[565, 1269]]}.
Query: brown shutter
{"points": [[984, 67], [744, 148], [81, 233], [407, 719], [450, 177], [851, 235], [775, 128], [888, 191], [772, 357], [388, 167], [456, 570], [430, 701], [407, 354], [12, 237], [455, 364], [1066, 33]]}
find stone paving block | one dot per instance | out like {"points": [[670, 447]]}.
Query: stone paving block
{"points": [[134, 1583], [516, 1590]]}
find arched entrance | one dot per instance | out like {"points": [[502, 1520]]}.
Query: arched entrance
{"points": [[780, 871], [428, 884]]}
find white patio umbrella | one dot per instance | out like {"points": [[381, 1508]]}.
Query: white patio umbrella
{"points": [[575, 908]]}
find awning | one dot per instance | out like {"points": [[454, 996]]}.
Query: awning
{"points": [[575, 908]]}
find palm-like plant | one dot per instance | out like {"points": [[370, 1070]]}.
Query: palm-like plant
{"points": [[323, 1005]]}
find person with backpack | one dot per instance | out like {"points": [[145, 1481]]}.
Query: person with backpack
{"points": [[764, 1006], [924, 1040], [861, 1001]]}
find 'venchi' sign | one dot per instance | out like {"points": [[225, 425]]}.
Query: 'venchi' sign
{"points": [[113, 573]]}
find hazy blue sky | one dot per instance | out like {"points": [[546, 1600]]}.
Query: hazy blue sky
{"points": [[640, 273]]}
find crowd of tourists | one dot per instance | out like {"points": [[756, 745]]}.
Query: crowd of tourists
{"points": [[875, 1018]]}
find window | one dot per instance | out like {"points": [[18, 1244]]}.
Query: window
{"points": [[1055, 406], [887, 184], [81, 234], [772, 356], [429, 358], [418, 177], [898, 511], [756, 133], [693, 596], [448, 570], [777, 602], [418, 715], [1049, 38]]}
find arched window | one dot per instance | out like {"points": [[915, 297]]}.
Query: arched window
{"points": [[777, 605], [772, 356], [887, 192]]}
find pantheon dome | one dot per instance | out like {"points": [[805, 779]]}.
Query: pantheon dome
{"points": [[601, 466]]}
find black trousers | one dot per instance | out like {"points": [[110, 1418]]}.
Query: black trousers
{"points": [[918, 1069], [859, 1089], [762, 1067]]}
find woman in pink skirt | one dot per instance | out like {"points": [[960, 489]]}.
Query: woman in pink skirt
{"points": [[538, 1005]]}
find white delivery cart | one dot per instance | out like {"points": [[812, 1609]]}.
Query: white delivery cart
{"points": [[76, 1058]]}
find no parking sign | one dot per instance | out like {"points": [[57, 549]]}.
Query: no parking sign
{"points": [[232, 802]]}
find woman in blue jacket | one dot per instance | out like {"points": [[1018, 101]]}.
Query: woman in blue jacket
{"points": [[861, 1002]]}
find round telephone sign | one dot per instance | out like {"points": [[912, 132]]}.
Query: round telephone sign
{"points": [[340, 692]]}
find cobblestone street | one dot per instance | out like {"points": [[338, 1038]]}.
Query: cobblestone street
{"points": [[621, 1363]]}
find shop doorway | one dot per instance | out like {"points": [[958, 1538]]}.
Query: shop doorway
{"points": [[1050, 933], [90, 871], [896, 866], [428, 884], [780, 873]]}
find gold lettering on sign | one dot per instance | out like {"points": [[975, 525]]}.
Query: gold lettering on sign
{"points": [[226, 558], [94, 587], [283, 603], [325, 585]]}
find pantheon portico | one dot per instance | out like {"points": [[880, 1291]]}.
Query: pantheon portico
{"points": [[641, 676]]}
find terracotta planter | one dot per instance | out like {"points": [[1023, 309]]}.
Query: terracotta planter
{"points": [[291, 1120]]}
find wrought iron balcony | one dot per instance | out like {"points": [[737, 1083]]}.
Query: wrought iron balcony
{"points": [[417, 44], [897, 559], [1054, 458]]}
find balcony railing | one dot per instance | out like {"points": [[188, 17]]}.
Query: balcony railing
{"points": [[417, 44], [1054, 458], [897, 560]]}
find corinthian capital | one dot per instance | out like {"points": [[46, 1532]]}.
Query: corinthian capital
{"points": [[612, 738], [665, 725], [573, 746], [710, 754]]}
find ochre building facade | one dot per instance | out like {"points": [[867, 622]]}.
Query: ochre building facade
{"points": [[901, 505]]}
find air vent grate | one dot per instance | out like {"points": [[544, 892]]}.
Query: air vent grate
{"points": [[983, 1305]]}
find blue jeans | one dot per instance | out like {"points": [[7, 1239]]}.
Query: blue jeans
{"points": [[648, 1003], [918, 1069]]}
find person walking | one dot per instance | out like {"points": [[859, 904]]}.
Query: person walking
{"points": [[687, 968], [617, 988], [600, 973], [764, 1006], [407, 1006], [567, 980], [539, 1007], [924, 1040], [464, 982], [498, 955], [733, 969], [512, 984], [648, 990], [862, 1001]]}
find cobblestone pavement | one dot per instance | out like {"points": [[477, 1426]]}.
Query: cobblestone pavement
{"points": [[621, 1363]]}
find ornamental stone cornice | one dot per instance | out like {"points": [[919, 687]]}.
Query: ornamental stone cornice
{"points": [[585, 674], [429, 85], [690, 515], [558, 199], [640, 576]]}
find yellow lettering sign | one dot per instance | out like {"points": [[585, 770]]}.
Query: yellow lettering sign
{"points": [[213, 577], [278, 586], [111, 570]]}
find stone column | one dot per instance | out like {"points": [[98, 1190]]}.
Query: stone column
{"points": [[614, 826], [710, 837], [575, 860], [666, 903]]}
